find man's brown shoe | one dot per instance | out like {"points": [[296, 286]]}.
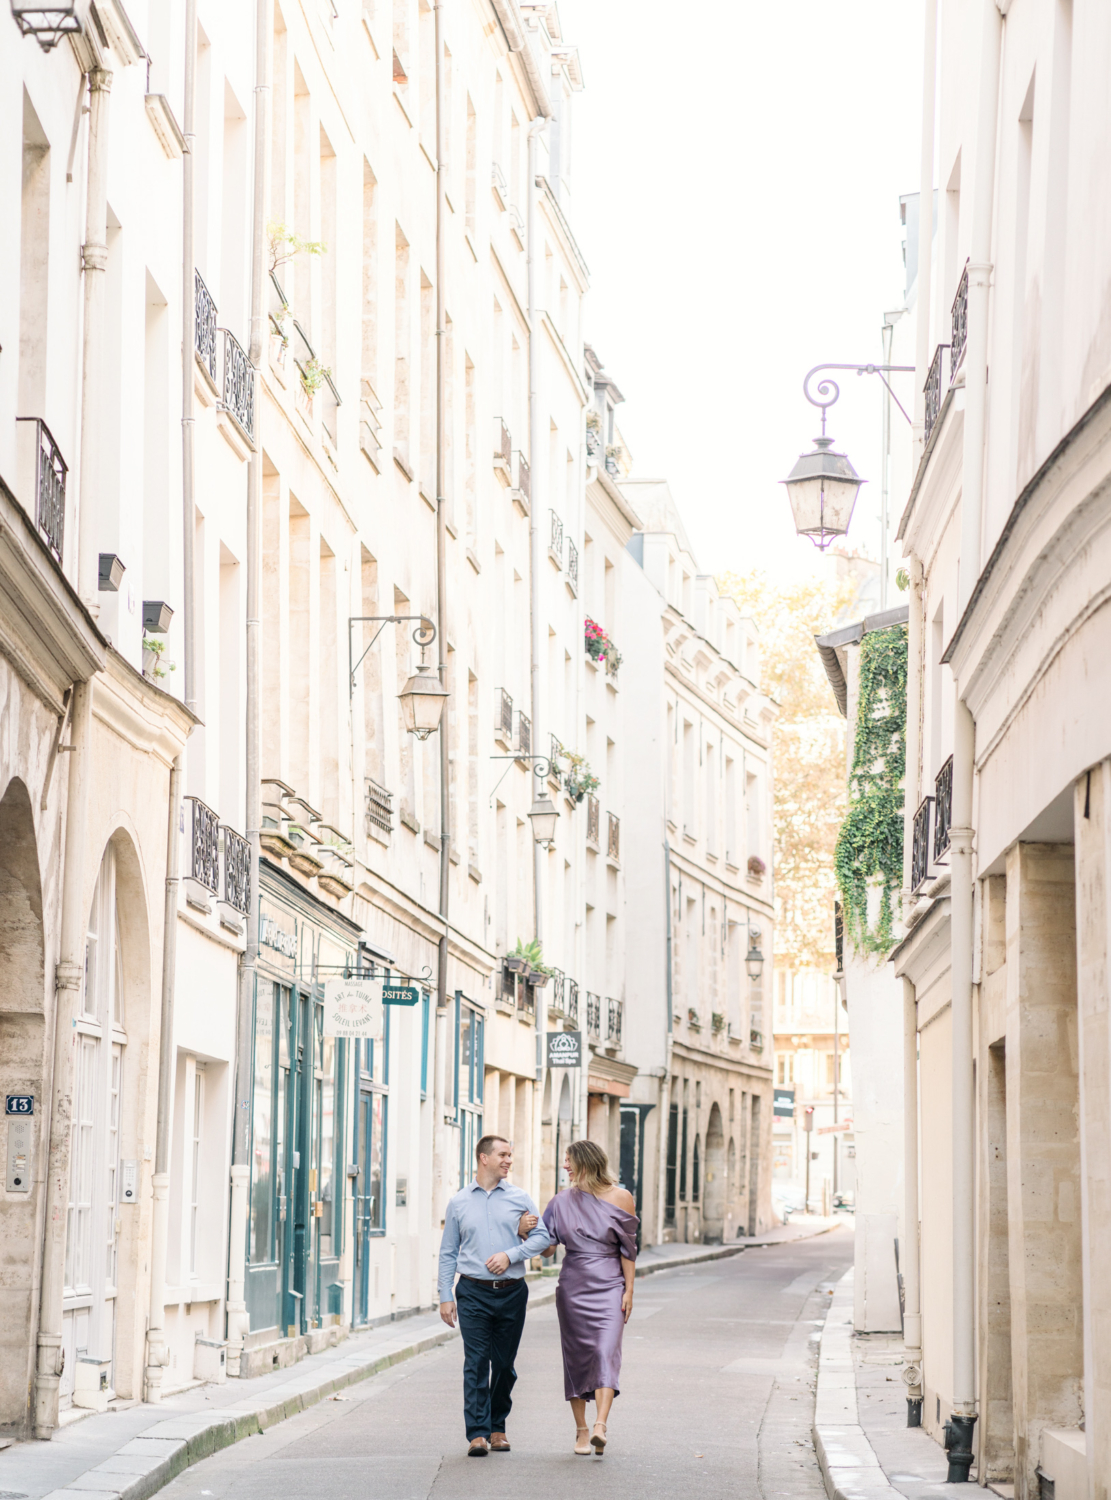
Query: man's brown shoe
{"points": [[499, 1443], [478, 1448]]}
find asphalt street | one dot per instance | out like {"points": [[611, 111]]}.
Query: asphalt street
{"points": [[717, 1392]]}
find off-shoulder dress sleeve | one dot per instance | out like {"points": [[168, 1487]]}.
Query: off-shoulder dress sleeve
{"points": [[627, 1235]]}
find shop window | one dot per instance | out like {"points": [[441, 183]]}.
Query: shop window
{"points": [[672, 1163]]}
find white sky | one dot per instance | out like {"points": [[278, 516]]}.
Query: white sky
{"points": [[737, 171]]}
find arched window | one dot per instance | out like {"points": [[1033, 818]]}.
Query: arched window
{"points": [[696, 1175]]}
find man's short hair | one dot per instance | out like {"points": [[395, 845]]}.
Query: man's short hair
{"points": [[487, 1144]]}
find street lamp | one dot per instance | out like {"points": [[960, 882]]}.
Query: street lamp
{"points": [[754, 959], [46, 23], [423, 696], [422, 703], [823, 485], [542, 815]]}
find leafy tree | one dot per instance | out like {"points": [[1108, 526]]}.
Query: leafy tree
{"points": [[809, 797]]}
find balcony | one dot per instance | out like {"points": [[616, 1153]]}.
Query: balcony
{"points": [[204, 326], [934, 389], [615, 1010], [503, 716], [557, 994], [572, 569], [379, 810], [571, 1001], [555, 540], [943, 809], [613, 836], [237, 872], [503, 448], [920, 846], [48, 475], [594, 1017], [239, 385], [593, 819], [960, 326], [526, 996], [523, 746], [521, 483], [204, 846]]}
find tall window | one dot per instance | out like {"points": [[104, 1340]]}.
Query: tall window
{"points": [[683, 1159], [195, 1167], [374, 1082], [672, 1162], [469, 1066], [262, 1143], [696, 1174]]}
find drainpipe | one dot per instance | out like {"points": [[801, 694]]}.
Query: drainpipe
{"points": [[238, 1320], [912, 779], [188, 343], [958, 1435], [441, 1038], [158, 1353], [535, 618], [925, 227], [912, 1314], [68, 977], [979, 282], [94, 263]]}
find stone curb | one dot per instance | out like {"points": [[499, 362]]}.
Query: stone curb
{"points": [[150, 1461], [850, 1468]]}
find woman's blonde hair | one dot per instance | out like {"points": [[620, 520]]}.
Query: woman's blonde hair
{"points": [[590, 1166]]}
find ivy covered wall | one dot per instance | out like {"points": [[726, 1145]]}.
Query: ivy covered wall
{"points": [[869, 855]]}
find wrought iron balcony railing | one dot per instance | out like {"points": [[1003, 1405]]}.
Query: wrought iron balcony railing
{"points": [[503, 445], [239, 384], [613, 836], [555, 750], [593, 818], [204, 323], [526, 997], [379, 807], [943, 809], [572, 565], [920, 846], [934, 390], [614, 1016], [50, 486], [503, 714], [523, 478], [960, 325], [555, 539], [594, 1016], [524, 734], [571, 1001], [237, 872], [557, 993], [204, 846]]}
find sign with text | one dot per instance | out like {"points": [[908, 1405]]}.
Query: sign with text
{"points": [[831, 1129], [783, 1103], [400, 994], [565, 1049], [20, 1104], [353, 1008]]}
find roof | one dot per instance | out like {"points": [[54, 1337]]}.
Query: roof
{"points": [[832, 648]]}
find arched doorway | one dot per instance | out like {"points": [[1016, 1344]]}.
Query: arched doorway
{"points": [[713, 1202], [100, 1096], [22, 1045]]}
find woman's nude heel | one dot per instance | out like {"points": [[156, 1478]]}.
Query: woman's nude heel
{"points": [[598, 1439], [582, 1444]]}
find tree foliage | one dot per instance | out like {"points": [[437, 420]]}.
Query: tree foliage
{"points": [[809, 798], [870, 846]]}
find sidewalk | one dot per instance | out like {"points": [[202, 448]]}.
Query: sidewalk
{"points": [[132, 1452], [864, 1446]]}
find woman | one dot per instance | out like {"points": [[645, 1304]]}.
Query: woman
{"points": [[595, 1220]]}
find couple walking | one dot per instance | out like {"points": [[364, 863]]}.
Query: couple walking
{"points": [[490, 1230]]}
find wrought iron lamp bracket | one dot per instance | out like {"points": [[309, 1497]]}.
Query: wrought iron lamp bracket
{"points": [[826, 386], [424, 635], [541, 768]]}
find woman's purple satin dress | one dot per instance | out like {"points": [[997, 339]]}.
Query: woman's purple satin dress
{"points": [[596, 1235]]}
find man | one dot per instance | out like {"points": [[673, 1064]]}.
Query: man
{"points": [[482, 1242]]}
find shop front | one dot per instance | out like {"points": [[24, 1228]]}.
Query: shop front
{"points": [[304, 1113]]}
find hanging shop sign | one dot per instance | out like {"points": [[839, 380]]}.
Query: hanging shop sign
{"points": [[353, 1008], [565, 1049], [400, 994]]}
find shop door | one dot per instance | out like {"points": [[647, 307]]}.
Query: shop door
{"points": [[295, 1229], [364, 1203]]}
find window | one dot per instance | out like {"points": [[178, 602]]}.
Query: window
{"points": [[469, 1067], [785, 1068], [262, 1144], [831, 1075], [672, 1162], [325, 1084], [195, 1167], [373, 1066], [683, 1159], [696, 1175]]}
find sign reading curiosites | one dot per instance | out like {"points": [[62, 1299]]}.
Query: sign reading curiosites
{"points": [[353, 1008], [565, 1049]]}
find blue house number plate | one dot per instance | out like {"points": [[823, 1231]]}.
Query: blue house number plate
{"points": [[20, 1104]]}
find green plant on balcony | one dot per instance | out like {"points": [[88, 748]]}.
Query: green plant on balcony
{"points": [[717, 1021], [531, 955], [599, 647], [153, 652], [286, 244], [313, 375], [578, 779]]}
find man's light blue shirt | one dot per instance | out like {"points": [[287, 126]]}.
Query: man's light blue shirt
{"points": [[479, 1224]]}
